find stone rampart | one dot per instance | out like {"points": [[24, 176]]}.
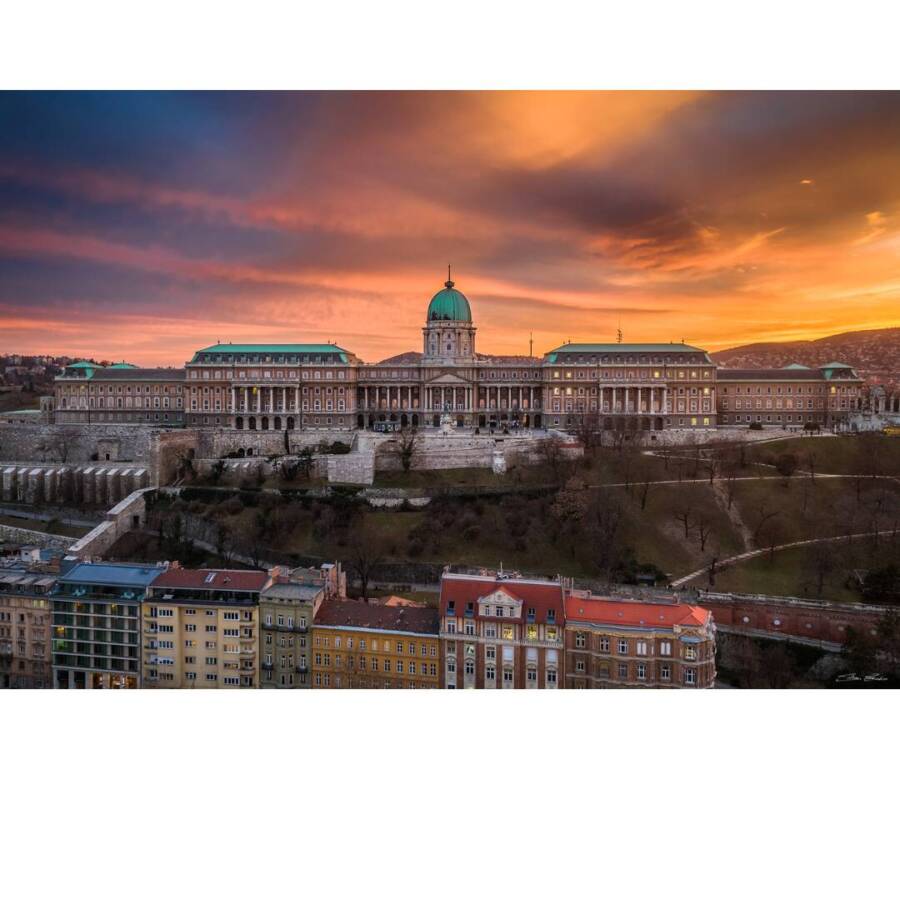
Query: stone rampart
{"points": [[70, 484], [128, 514], [14, 535], [77, 443]]}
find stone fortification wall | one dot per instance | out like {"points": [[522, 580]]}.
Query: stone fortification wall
{"points": [[94, 484], [74, 443], [218, 443], [130, 513], [11, 534]]}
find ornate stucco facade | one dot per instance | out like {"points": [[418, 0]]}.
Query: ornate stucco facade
{"points": [[310, 387]]}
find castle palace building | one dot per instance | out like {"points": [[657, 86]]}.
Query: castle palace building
{"points": [[262, 387], [324, 387]]}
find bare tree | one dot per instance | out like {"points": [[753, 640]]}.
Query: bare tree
{"points": [[684, 514], [646, 482], [406, 446], [730, 483], [704, 529], [604, 529], [820, 561], [810, 459], [588, 431], [552, 455], [665, 453], [248, 538], [367, 552], [224, 541], [60, 444], [568, 511], [763, 516]]}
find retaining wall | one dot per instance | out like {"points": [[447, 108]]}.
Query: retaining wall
{"points": [[128, 514], [93, 484], [13, 535]]}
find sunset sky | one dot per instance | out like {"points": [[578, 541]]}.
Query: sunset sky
{"points": [[144, 226]]}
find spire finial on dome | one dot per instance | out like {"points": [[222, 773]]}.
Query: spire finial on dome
{"points": [[449, 282]]}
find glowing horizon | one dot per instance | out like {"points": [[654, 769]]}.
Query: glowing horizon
{"points": [[145, 226]]}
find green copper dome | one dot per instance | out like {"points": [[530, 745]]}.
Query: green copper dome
{"points": [[449, 305]]}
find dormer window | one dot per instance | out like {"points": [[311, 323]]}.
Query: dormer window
{"points": [[470, 609], [451, 610], [531, 613], [551, 615], [500, 611]]}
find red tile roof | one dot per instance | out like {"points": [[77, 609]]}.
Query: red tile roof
{"points": [[359, 614], [541, 595], [222, 580], [600, 611]]}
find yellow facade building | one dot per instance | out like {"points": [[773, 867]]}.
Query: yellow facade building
{"points": [[200, 629], [370, 645]]}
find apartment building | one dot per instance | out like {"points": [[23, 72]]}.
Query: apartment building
{"points": [[96, 610], [367, 645], [25, 622], [630, 644], [287, 608], [201, 628], [499, 631]]}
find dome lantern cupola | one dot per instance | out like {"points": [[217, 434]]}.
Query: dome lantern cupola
{"points": [[449, 305], [449, 332]]}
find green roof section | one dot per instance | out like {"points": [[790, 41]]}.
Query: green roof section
{"points": [[836, 365], [449, 305], [622, 348], [83, 366], [122, 365], [276, 349], [796, 366], [627, 348]]}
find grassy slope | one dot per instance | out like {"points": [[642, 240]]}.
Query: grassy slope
{"points": [[788, 574], [842, 455], [48, 527], [805, 508]]}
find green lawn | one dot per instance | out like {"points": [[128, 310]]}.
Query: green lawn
{"points": [[437, 478], [789, 573], [807, 508], [48, 527], [842, 455]]}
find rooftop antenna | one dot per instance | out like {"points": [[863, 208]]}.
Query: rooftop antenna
{"points": [[449, 282], [531, 343], [619, 332]]}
